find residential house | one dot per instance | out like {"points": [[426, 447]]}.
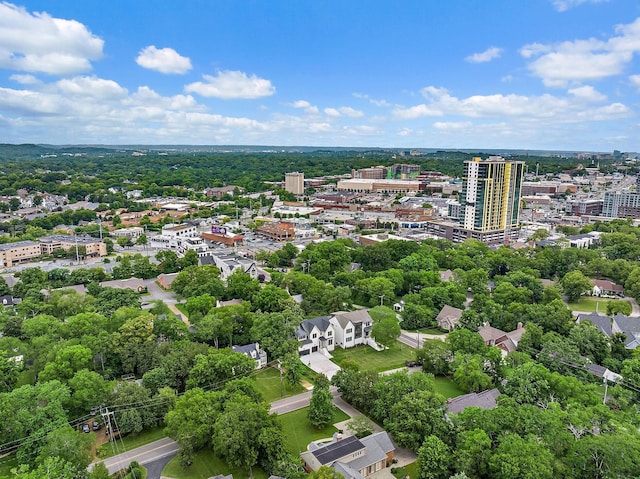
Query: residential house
{"points": [[8, 300], [606, 288], [508, 342], [484, 400], [254, 352], [228, 263], [351, 457], [352, 328], [448, 317], [627, 325], [315, 334], [135, 284], [165, 280]]}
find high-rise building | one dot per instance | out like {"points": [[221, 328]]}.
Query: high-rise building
{"points": [[621, 204], [491, 191], [294, 183]]}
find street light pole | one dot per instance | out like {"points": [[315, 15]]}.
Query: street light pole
{"points": [[418, 338]]}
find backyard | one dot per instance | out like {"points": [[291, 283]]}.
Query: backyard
{"points": [[299, 432], [267, 382], [368, 358]]}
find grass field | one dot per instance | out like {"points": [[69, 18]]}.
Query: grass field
{"points": [[369, 358], [130, 442], [410, 470], [206, 464], [447, 387], [589, 304], [267, 381], [299, 433]]}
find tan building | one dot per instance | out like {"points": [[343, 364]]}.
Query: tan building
{"points": [[20, 252], [277, 231], [294, 183], [94, 247]]}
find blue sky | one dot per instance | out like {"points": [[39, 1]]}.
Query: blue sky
{"points": [[534, 74]]}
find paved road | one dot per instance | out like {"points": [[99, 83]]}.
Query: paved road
{"points": [[147, 454]]}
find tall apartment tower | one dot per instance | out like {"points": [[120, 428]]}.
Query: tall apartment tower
{"points": [[491, 191], [294, 183]]}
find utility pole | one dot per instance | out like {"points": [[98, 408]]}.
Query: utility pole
{"points": [[381, 299], [77, 254], [280, 369]]}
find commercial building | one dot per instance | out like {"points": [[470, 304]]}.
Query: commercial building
{"points": [[19, 252], [491, 192], [294, 183], [621, 204], [94, 247], [379, 186]]}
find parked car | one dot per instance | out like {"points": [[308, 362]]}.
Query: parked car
{"points": [[86, 428], [411, 364], [96, 425]]}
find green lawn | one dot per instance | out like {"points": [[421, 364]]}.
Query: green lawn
{"points": [[447, 387], [131, 441], [299, 433], [206, 464], [410, 470], [369, 358], [589, 304], [267, 381], [437, 331], [182, 309]]}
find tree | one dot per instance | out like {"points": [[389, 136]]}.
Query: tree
{"points": [[415, 416], [218, 366], [469, 373], [325, 472], [124, 242], [434, 458], [236, 432], [271, 299], [465, 341], [386, 330], [361, 426], [198, 280], [321, 406], [574, 285], [615, 307], [68, 360], [293, 369], [8, 374], [435, 356], [472, 452], [518, 458], [69, 446]]}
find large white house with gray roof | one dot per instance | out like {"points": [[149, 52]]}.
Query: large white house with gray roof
{"points": [[352, 328], [315, 335]]}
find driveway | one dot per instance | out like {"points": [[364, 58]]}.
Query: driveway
{"points": [[321, 364]]}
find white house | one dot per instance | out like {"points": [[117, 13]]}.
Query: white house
{"points": [[352, 328], [254, 352], [228, 263], [315, 335]]}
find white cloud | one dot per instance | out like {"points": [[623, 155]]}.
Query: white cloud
{"points": [[98, 88], [40, 43], [440, 103], [232, 85], [308, 107], [588, 93], [332, 112], [635, 80], [350, 112], [489, 54], [380, 103], [24, 79], [163, 60], [452, 125], [583, 60], [564, 5]]}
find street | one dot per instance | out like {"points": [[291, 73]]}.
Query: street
{"points": [[143, 455]]}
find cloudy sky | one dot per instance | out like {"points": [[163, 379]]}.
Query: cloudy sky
{"points": [[534, 74]]}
